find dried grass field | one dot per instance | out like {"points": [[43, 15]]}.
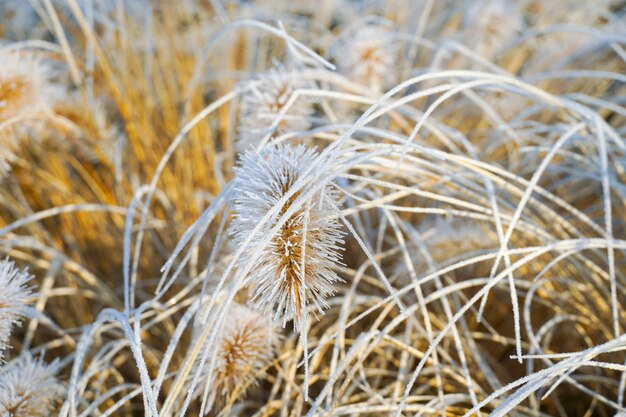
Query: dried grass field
{"points": [[312, 208]]}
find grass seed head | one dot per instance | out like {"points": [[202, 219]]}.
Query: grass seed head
{"points": [[369, 56], [25, 90], [296, 267], [245, 345], [266, 98], [24, 85], [28, 388], [13, 295]]}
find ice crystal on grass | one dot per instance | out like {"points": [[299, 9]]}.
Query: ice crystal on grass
{"points": [[13, 294], [28, 388], [296, 266], [471, 151], [261, 105]]}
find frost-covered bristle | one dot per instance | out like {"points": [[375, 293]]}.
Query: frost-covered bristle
{"points": [[14, 293], [29, 388], [368, 57], [262, 103], [296, 267], [470, 153], [245, 345]]}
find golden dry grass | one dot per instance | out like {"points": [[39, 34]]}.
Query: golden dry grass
{"points": [[494, 179]]}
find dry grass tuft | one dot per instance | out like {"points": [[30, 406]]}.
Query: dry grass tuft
{"points": [[290, 208]]}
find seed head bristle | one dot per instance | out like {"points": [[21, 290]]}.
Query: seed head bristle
{"points": [[309, 239], [368, 57], [13, 295], [24, 90], [267, 96], [245, 345], [28, 388], [24, 85]]}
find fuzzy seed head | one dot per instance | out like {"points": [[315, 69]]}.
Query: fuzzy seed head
{"points": [[13, 295], [296, 267], [245, 345], [28, 388], [267, 97], [493, 23], [24, 85], [369, 56], [24, 90]]}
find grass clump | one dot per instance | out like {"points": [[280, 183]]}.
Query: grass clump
{"points": [[286, 208]]}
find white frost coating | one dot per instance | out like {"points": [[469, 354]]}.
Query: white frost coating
{"points": [[24, 90], [28, 388], [245, 346], [266, 95], [13, 295], [368, 57], [279, 283]]}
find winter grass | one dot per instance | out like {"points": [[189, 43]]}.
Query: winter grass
{"points": [[457, 219]]}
